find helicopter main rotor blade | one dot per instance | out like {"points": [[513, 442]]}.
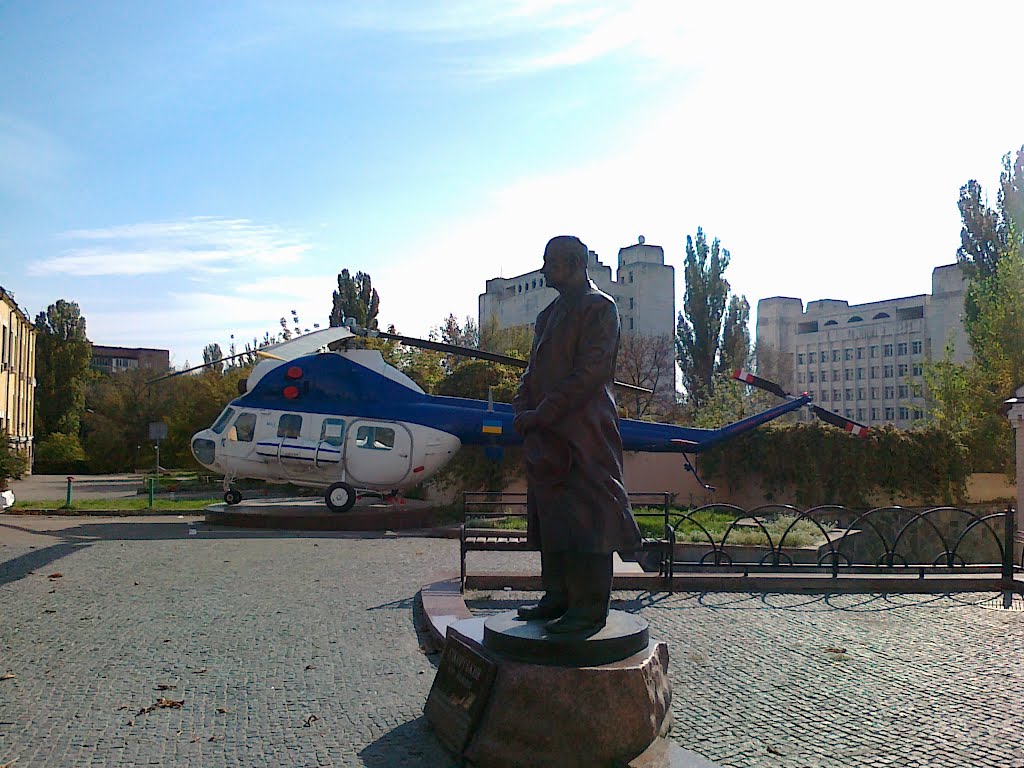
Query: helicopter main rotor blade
{"points": [[829, 417], [204, 365], [479, 354]]}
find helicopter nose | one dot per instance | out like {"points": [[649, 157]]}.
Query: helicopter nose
{"points": [[204, 450]]}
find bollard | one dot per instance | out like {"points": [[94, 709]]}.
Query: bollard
{"points": [[67, 501], [152, 482]]}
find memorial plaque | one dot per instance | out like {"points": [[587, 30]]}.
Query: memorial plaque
{"points": [[459, 693]]}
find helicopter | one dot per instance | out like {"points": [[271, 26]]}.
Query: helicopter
{"points": [[347, 422]]}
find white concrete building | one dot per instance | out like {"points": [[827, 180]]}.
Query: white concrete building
{"points": [[644, 288], [866, 361]]}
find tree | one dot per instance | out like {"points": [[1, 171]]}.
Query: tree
{"points": [[989, 234], [357, 298], [735, 352], [211, 354], [648, 362], [13, 463], [699, 332], [62, 362]]}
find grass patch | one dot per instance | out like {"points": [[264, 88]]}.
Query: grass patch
{"points": [[716, 524], [120, 505]]}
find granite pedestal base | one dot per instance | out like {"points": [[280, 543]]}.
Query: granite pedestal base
{"points": [[498, 711]]}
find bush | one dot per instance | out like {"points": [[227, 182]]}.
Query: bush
{"points": [[59, 453], [820, 464], [13, 464]]}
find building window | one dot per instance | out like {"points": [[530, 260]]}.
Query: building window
{"points": [[874, 351], [918, 369], [631, 302], [881, 316], [890, 413], [904, 412], [824, 395], [631, 277], [849, 413], [835, 355], [888, 371], [860, 393], [533, 284], [799, 358], [847, 354], [918, 413], [831, 322], [837, 395], [856, 319], [835, 374], [904, 390], [541, 282], [901, 348], [874, 394], [824, 357], [887, 350], [860, 353], [810, 377], [874, 414], [890, 393], [860, 414], [874, 371], [631, 323], [916, 390], [915, 347], [526, 287], [848, 394], [800, 378], [902, 369], [811, 394], [520, 289], [848, 374], [860, 374]]}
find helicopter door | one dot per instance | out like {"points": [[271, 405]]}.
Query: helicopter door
{"points": [[378, 453], [237, 443]]}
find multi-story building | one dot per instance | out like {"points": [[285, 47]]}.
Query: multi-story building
{"points": [[644, 289], [17, 374], [114, 359], [866, 361]]}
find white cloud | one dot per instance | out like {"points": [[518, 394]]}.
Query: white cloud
{"points": [[203, 243]]}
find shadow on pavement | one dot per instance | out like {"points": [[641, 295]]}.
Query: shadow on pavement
{"points": [[410, 744], [73, 537]]}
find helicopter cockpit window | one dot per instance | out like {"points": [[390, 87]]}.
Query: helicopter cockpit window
{"points": [[289, 425], [332, 431], [375, 438], [245, 427], [222, 420]]}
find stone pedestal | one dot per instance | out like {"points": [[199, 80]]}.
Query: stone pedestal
{"points": [[524, 713]]}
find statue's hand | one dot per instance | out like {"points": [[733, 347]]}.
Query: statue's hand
{"points": [[525, 421]]}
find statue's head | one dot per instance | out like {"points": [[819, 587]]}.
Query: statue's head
{"points": [[565, 261]]}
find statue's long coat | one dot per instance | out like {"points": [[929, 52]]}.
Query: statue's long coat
{"points": [[568, 382]]}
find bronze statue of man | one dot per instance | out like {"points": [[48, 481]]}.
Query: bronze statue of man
{"points": [[579, 512]]}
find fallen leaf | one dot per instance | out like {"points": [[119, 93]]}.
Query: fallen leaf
{"points": [[222, 710], [835, 650], [136, 583], [144, 711], [169, 703], [212, 738], [310, 666], [55, 576], [193, 740], [310, 720], [49, 610], [775, 750], [123, 706], [7, 676], [165, 687], [131, 722], [201, 671], [167, 641]]}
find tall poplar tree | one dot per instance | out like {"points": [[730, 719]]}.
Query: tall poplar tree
{"points": [[701, 345], [356, 297], [62, 363]]}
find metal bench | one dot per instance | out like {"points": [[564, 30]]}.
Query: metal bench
{"points": [[497, 508]]}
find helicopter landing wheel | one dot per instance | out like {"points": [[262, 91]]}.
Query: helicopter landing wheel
{"points": [[340, 497], [233, 496]]}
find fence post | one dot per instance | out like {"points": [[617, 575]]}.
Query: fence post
{"points": [[67, 501], [1009, 533]]}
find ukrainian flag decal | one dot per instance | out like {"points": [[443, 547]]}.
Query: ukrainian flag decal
{"points": [[491, 427]]}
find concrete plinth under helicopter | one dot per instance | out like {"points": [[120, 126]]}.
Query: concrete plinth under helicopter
{"points": [[311, 514]]}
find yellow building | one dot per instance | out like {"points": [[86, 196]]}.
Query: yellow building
{"points": [[17, 374]]}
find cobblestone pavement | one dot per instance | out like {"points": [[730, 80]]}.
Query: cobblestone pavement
{"points": [[292, 649]]}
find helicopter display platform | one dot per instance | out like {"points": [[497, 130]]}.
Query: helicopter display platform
{"points": [[311, 514]]}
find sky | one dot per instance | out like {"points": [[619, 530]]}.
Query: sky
{"points": [[188, 171]]}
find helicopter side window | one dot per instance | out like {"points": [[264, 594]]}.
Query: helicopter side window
{"points": [[289, 425], [375, 438], [244, 427], [222, 420], [332, 431]]}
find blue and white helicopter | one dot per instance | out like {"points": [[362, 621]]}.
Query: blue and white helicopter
{"points": [[346, 420]]}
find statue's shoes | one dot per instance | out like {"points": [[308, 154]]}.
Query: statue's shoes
{"points": [[575, 624], [542, 610]]}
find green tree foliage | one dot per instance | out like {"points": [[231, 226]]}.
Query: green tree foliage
{"points": [[735, 352], [13, 463], [62, 363], [965, 399], [356, 297], [192, 404], [57, 453], [820, 464], [700, 342], [211, 356]]}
